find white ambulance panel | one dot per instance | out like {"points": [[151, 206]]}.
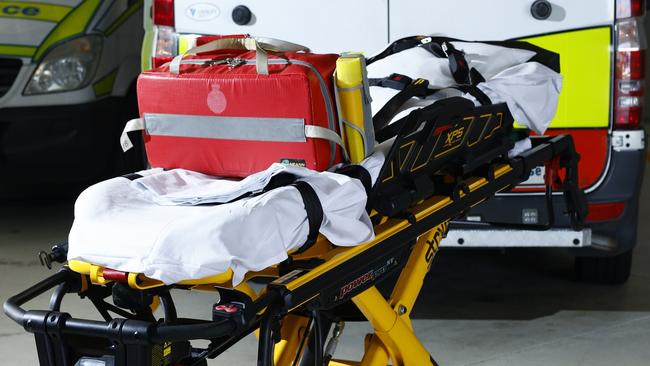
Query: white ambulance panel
{"points": [[493, 19], [332, 26]]}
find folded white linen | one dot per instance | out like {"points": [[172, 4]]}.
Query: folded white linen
{"points": [[530, 89], [520, 147], [119, 226], [185, 187]]}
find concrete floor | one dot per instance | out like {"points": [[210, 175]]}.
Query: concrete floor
{"points": [[521, 307]]}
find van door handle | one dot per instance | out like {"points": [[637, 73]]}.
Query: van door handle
{"points": [[541, 9], [242, 15]]}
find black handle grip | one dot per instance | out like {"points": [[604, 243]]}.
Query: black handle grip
{"points": [[242, 15]]}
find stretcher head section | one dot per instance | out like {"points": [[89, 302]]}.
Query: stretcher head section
{"points": [[448, 138]]}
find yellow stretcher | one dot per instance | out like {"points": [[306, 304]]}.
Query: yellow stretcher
{"points": [[294, 312], [444, 159]]}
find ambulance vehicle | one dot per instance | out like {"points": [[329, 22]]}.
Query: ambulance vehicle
{"points": [[67, 84], [602, 48]]}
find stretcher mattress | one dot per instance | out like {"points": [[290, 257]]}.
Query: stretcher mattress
{"points": [[158, 226]]}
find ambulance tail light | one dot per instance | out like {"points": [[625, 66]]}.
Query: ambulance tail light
{"points": [[629, 8], [165, 45], [630, 64], [599, 212], [163, 12]]}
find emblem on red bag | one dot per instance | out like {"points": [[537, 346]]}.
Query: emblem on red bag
{"points": [[216, 100]]}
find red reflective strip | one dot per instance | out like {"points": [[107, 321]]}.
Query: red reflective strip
{"points": [[163, 12], [628, 118], [554, 174], [113, 275], [637, 7], [605, 211], [592, 145], [630, 65]]}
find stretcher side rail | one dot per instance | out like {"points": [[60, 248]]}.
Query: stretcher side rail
{"points": [[300, 286], [321, 287]]}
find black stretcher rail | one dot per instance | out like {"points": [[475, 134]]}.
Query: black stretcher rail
{"points": [[128, 331]]}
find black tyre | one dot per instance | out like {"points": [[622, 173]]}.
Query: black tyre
{"points": [[612, 270]]}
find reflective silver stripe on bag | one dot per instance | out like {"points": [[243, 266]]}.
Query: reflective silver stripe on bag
{"points": [[226, 128]]}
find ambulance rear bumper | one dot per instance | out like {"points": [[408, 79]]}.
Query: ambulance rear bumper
{"points": [[507, 238]]}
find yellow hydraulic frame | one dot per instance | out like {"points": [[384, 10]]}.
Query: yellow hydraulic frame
{"points": [[393, 338]]}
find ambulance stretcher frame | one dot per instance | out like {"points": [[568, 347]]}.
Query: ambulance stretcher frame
{"points": [[411, 204]]}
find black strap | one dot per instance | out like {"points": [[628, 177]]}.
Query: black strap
{"points": [[395, 47], [314, 211], [475, 92], [418, 88], [279, 180], [466, 79], [357, 172], [394, 81], [458, 65]]}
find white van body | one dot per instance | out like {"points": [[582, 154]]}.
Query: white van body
{"points": [[67, 73]]}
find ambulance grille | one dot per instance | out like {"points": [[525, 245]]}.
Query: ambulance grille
{"points": [[9, 68]]}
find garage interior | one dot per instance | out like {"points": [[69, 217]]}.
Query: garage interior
{"points": [[478, 307], [487, 307]]}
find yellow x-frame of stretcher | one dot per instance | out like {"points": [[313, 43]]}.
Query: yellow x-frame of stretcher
{"points": [[393, 338]]}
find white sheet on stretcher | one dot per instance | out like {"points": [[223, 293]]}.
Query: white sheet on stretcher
{"points": [[530, 89], [120, 224]]}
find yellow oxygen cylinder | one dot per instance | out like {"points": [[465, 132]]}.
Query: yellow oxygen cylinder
{"points": [[353, 99]]}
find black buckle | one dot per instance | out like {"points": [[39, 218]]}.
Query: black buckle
{"points": [[396, 81]]}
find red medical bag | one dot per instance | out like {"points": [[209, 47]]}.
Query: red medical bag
{"points": [[236, 105]]}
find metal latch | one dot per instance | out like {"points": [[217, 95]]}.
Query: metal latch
{"points": [[234, 62]]}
